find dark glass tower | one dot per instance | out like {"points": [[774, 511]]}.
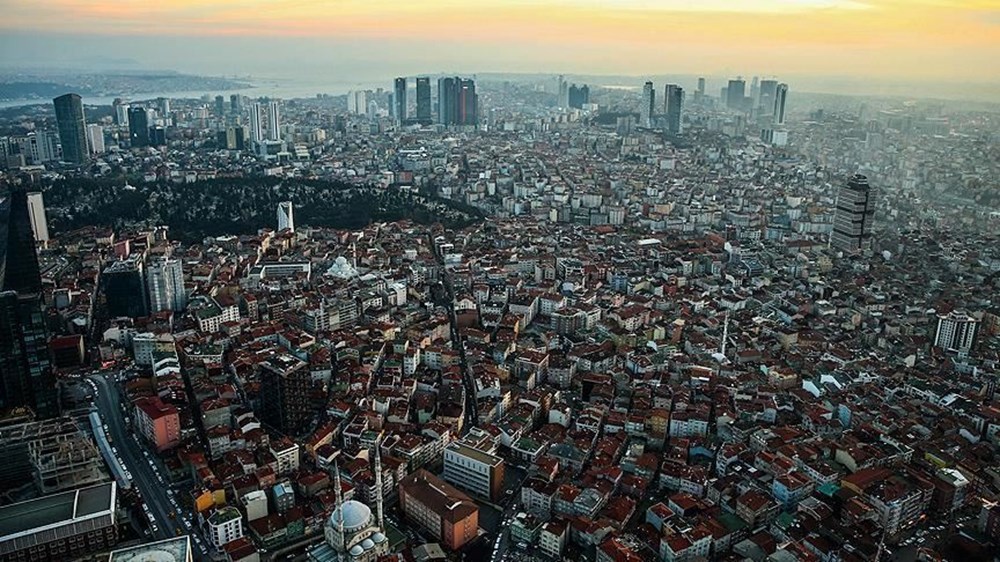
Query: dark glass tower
{"points": [[26, 378], [735, 94], [423, 99], [399, 99], [854, 216], [675, 104], [138, 126], [468, 103], [447, 100], [72, 127]]}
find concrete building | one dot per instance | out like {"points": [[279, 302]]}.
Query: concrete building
{"points": [[165, 285], [854, 215], [158, 422], [64, 526], [284, 401], [956, 331], [36, 212], [286, 217], [442, 510], [473, 470], [174, 549], [225, 526]]}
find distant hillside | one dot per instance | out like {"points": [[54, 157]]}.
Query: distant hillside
{"points": [[240, 206]]}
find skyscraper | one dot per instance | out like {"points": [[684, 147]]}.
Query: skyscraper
{"points": [[854, 215], [285, 386], [447, 100], [286, 217], [648, 105], [754, 90], [125, 289], [563, 92], [579, 96], [735, 93], [701, 86], [235, 103], [256, 127], [780, 95], [468, 103], [138, 126], [675, 103], [36, 211], [121, 112], [273, 122], [423, 99], [26, 378], [220, 106], [95, 138], [399, 100], [165, 285], [163, 104], [956, 331], [72, 128], [766, 96]]}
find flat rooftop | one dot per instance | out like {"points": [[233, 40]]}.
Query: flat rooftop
{"points": [[55, 510], [175, 549]]}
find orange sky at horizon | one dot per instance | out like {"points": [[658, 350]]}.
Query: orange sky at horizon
{"points": [[898, 38]]}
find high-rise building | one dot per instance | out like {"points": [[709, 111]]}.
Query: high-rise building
{"points": [[735, 93], [468, 103], [121, 112], [754, 90], [648, 105], [165, 285], [220, 106], [286, 218], [675, 104], [563, 92], [780, 95], [399, 99], [475, 470], [701, 86], [579, 96], [285, 402], [95, 138], [956, 331], [447, 100], [163, 105], [768, 88], [36, 211], [138, 126], [236, 104], [357, 102], [423, 99], [124, 288], [854, 216], [233, 138], [256, 127], [72, 128], [26, 379], [273, 122]]}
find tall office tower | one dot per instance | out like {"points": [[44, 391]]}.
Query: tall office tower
{"points": [[579, 97], [36, 211], [273, 122], [468, 103], [754, 90], [735, 93], [423, 99], [780, 95], [165, 285], [138, 126], [26, 378], [399, 100], [121, 112], [372, 110], [220, 106], [447, 100], [256, 127], [235, 104], [854, 215], [563, 92], [125, 288], [768, 88], [648, 104], [675, 104], [163, 105], [233, 138], [956, 331], [286, 217], [95, 138], [72, 128], [285, 394]]}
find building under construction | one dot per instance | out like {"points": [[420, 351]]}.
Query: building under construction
{"points": [[54, 454]]}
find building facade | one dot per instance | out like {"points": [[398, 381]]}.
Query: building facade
{"points": [[854, 216], [442, 510], [72, 128]]}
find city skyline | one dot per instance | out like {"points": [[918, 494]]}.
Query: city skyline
{"points": [[883, 39]]}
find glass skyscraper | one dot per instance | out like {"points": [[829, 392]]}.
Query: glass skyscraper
{"points": [[72, 128]]}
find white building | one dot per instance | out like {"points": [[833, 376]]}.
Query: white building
{"points": [[273, 122], [287, 454], [286, 217], [95, 138], [256, 127], [165, 282], [225, 526], [36, 211], [255, 503], [473, 470], [956, 331]]}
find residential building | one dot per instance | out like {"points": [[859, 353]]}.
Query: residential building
{"points": [[442, 510]]}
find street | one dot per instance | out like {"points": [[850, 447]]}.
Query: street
{"points": [[150, 485]]}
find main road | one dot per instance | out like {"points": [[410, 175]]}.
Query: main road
{"points": [[144, 478]]}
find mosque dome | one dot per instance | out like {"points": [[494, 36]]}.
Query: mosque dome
{"points": [[367, 544], [355, 514]]}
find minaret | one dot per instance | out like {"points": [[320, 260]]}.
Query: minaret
{"points": [[725, 335], [378, 482], [340, 502]]}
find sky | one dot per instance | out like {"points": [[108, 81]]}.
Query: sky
{"points": [[905, 40]]}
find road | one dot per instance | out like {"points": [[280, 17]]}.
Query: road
{"points": [[153, 492]]}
